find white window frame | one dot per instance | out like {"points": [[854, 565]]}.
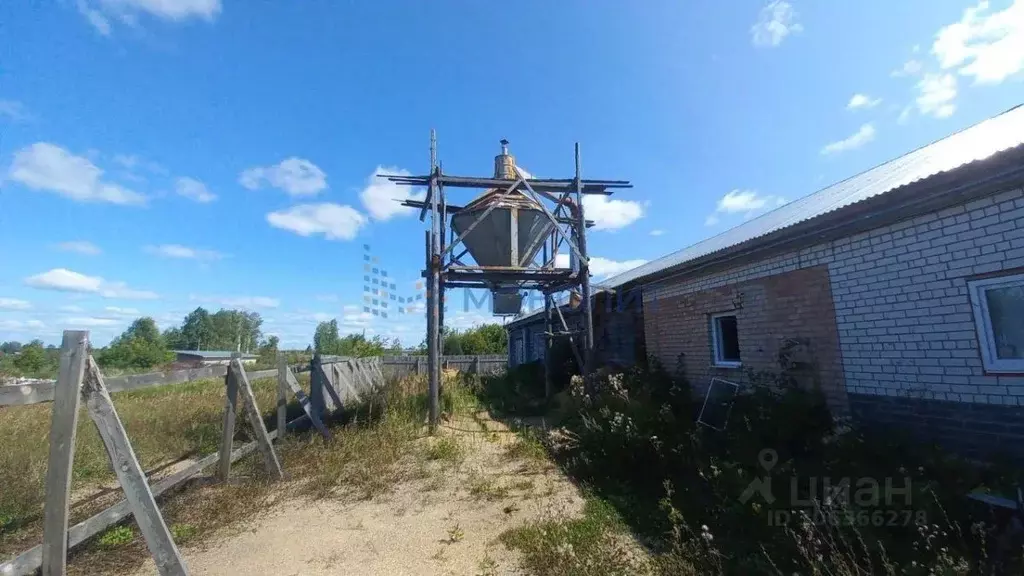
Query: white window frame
{"points": [[983, 323], [716, 353]]}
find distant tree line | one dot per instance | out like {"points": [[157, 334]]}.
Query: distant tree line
{"points": [[326, 340], [143, 346]]}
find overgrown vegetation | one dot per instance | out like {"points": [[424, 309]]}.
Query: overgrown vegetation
{"points": [[756, 498], [165, 424]]}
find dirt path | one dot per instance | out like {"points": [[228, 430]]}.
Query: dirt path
{"points": [[481, 481]]}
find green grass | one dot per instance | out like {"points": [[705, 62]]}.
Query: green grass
{"points": [[527, 447], [591, 545], [447, 449], [164, 424], [117, 536]]}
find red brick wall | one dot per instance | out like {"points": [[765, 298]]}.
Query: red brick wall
{"points": [[794, 305]]}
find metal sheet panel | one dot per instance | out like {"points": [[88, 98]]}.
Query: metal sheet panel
{"points": [[973, 144]]}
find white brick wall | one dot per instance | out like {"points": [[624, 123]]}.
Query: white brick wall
{"points": [[905, 322]]}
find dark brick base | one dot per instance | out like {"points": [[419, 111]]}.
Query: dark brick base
{"points": [[973, 430]]}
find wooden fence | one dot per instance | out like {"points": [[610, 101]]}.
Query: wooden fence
{"points": [[405, 365], [80, 381]]}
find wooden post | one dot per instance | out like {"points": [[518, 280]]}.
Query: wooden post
{"points": [[306, 404], [282, 396], [256, 421], [130, 475], [476, 364], [74, 352], [316, 389], [418, 359], [230, 410]]}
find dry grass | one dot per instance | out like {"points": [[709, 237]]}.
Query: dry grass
{"points": [[165, 424]]}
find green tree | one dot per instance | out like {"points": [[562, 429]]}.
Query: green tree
{"points": [[140, 346], [325, 339], [268, 351], [32, 359], [197, 330], [174, 339], [11, 347]]}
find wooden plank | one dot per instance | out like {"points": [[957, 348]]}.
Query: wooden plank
{"points": [[43, 391], [282, 397], [130, 475], [252, 410], [74, 352], [332, 394], [327, 392], [28, 562], [306, 407], [227, 440], [261, 374]]}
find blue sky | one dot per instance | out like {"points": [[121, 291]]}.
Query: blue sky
{"points": [[157, 155]]}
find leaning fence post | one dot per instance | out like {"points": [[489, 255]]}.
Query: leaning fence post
{"points": [[227, 443], [130, 475], [63, 424], [259, 430], [282, 396]]}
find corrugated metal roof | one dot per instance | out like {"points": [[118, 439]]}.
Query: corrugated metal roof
{"points": [[978, 142]]}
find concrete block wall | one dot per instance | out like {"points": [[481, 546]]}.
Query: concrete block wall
{"points": [[902, 309]]}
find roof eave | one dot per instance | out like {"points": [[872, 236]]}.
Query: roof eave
{"points": [[1002, 171]]}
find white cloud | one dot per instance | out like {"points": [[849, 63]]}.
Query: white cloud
{"points": [[45, 166], [904, 116], [13, 110], [862, 136], [183, 252], [21, 325], [911, 67], [119, 290], [89, 322], [14, 304], [987, 46], [936, 94], [775, 21], [746, 202], [70, 308], [657, 232], [80, 247], [99, 12], [247, 302], [296, 176], [64, 280], [382, 198], [334, 221], [122, 311], [194, 190], [602, 267], [609, 214], [862, 102]]}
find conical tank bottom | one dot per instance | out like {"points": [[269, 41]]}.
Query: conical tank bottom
{"points": [[490, 242]]}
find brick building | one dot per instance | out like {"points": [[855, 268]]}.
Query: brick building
{"points": [[900, 291]]}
